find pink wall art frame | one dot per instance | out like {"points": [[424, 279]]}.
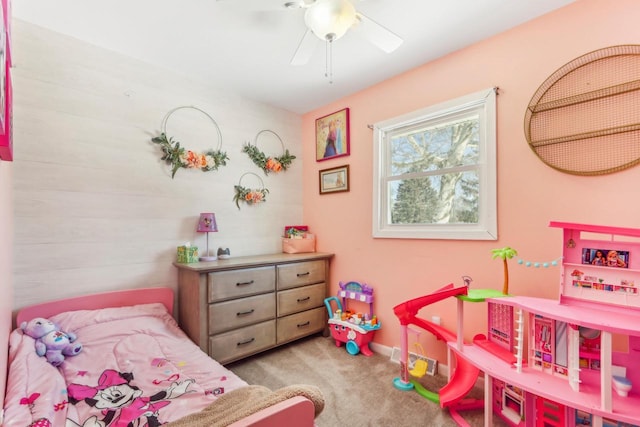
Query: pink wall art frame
{"points": [[332, 135]]}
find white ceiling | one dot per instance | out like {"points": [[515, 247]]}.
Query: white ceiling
{"points": [[246, 45]]}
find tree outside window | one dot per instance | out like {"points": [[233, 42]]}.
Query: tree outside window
{"points": [[434, 172]]}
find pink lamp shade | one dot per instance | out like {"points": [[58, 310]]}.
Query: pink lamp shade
{"points": [[207, 224]]}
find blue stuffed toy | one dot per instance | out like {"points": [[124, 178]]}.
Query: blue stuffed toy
{"points": [[51, 342]]}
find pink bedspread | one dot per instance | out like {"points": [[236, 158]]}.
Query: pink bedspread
{"points": [[136, 367]]}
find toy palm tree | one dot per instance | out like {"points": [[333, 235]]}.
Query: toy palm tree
{"points": [[505, 254]]}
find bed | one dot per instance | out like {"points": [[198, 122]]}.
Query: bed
{"points": [[136, 368]]}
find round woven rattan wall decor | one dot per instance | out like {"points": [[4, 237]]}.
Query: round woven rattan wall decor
{"points": [[585, 118]]}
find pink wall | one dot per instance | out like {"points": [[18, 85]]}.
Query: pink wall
{"points": [[6, 257], [530, 194]]}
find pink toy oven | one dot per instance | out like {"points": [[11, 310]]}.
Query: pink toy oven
{"points": [[355, 330]]}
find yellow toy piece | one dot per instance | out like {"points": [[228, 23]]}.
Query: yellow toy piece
{"points": [[420, 365], [419, 369]]}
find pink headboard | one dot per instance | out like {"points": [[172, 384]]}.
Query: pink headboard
{"points": [[95, 301]]}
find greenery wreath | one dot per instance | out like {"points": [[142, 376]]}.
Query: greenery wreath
{"points": [[179, 157], [248, 195], [264, 162]]}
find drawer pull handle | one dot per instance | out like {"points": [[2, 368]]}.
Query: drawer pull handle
{"points": [[304, 299], [249, 341], [244, 313], [302, 325], [303, 274], [244, 283]]}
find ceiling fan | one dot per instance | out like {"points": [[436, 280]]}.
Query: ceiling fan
{"points": [[328, 20]]}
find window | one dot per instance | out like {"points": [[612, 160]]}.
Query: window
{"points": [[435, 171]]}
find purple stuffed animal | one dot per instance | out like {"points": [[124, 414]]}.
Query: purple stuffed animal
{"points": [[51, 342]]}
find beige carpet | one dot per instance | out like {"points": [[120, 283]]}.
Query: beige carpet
{"points": [[358, 390]]}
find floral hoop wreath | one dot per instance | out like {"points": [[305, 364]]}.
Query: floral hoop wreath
{"points": [[248, 195], [268, 164], [180, 157]]}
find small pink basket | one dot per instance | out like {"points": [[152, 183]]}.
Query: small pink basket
{"points": [[296, 246]]}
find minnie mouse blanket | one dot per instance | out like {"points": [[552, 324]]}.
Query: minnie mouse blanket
{"points": [[137, 368]]}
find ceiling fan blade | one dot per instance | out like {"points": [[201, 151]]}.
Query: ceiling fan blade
{"points": [[298, 4], [267, 4], [254, 5], [377, 34], [305, 48]]}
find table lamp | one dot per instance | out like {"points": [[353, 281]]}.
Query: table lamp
{"points": [[207, 224]]}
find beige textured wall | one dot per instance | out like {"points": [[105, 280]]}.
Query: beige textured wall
{"points": [[95, 207]]}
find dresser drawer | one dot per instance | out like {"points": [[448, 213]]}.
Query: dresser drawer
{"points": [[227, 315], [223, 285], [300, 299], [242, 342], [301, 324], [300, 274]]}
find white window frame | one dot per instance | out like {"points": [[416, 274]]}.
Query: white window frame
{"points": [[484, 103]]}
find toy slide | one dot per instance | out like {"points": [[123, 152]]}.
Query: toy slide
{"points": [[407, 310], [465, 374]]}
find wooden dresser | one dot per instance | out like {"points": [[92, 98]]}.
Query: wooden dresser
{"points": [[240, 306]]}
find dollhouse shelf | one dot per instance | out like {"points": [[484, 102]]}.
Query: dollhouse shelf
{"points": [[588, 266], [556, 388], [591, 359], [584, 313], [597, 286], [600, 229], [598, 283]]}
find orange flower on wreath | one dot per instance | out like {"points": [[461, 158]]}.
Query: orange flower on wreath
{"points": [[254, 197], [195, 160], [257, 197], [273, 165]]}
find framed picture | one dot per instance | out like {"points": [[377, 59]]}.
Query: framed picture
{"points": [[6, 137], [334, 180], [605, 257], [332, 135]]}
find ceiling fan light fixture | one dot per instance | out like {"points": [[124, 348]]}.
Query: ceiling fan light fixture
{"points": [[330, 19]]}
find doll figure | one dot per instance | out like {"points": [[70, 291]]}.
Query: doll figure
{"points": [[614, 260]]}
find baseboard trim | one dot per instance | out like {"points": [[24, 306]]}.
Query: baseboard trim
{"points": [[386, 351], [442, 368]]}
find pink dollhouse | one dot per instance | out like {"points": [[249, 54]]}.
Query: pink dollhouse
{"points": [[572, 361]]}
